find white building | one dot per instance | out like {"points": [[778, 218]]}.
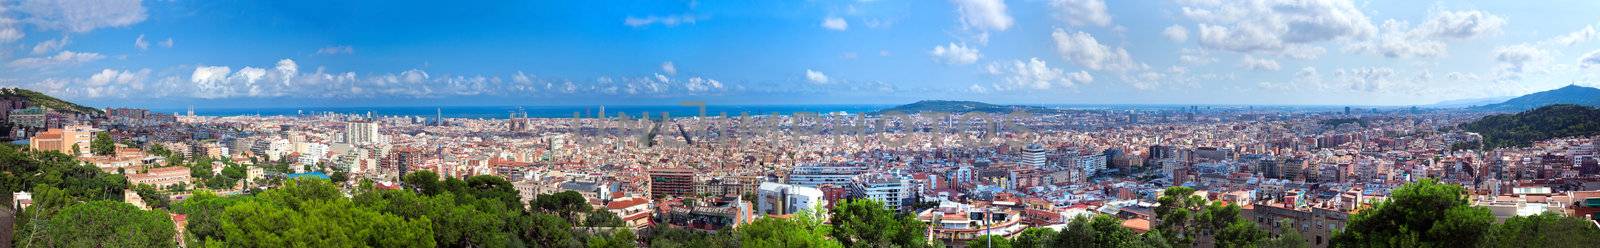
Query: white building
{"points": [[311, 153], [1033, 156], [779, 199], [892, 191], [362, 132], [813, 176]]}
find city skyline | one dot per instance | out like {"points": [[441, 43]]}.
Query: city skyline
{"points": [[167, 54]]}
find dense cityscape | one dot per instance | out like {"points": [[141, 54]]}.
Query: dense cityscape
{"points": [[817, 123], [963, 176]]}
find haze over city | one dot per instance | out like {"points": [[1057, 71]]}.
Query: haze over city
{"points": [[417, 53]]}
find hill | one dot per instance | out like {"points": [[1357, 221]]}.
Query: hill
{"points": [[40, 99], [1572, 94], [962, 107], [1522, 129]]}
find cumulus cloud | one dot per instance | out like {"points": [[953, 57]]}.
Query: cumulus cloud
{"points": [[697, 84], [1176, 33], [1366, 79], [955, 54], [978, 89], [816, 77], [1270, 26], [982, 16], [82, 16], [336, 50], [1590, 60], [1514, 60], [667, 21], [835, 23], [1586, 34], [1461, 24], [1398, 40], [1259, 64], [45, 47], [1082, 12], [669, 68], [63, 58], [1035, 74], [1082, 49]]}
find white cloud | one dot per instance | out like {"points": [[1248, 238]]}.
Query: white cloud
{"points": [[48, 46], [336, 50], [1082, 49], [1398, 40], [1259, 64], [1271, 26], [1586, 34], [1176, 33], [1461, 24], [669, 68], [955, 54], [1195, 57], [167, 43], [667, 21], [80, 16], [697, 84], [1590, 60], [63, 58], [835, 23], [1035, 74], [141, 43], [978, 89], [1082, 12], [816, 77], [1366, 79], [983, 15], [1516, 59]]}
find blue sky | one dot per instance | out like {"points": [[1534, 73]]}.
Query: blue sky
{"points": [[416, 53]]}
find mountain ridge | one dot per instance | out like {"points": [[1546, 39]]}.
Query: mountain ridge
{"points": [[1571, 94]]}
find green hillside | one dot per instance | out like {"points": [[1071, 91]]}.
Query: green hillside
{"points": [[40, 99], [1522, 129]]}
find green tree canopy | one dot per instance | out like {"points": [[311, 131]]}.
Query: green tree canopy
{"points": [[866, 223], [1426, 213]]}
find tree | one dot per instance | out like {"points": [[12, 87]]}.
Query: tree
{"points": [[1544, 230], [566, 204], [621, 238], [1099, 231], [1034, 237], [990, 241], [1175, 211], [802, 230], [422, 182], [1424, 213], [104, 223], [550, 231], [312, 213], [1287, 237], [151, 197], [1241, 233], [866, 223], [102, 144]]}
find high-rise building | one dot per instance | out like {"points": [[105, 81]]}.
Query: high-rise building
{"points": [[893, 192], [1033, 156], [814, 176], [362, 132], [671, 182]]}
